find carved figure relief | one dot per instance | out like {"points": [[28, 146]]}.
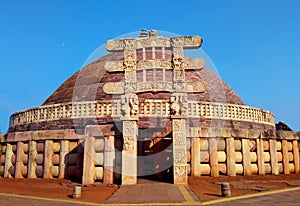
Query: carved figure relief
{"points": [[130, 44], [134, 105], [129, 105], [129, 59], [180, 171], [177, 62], [129, 144], [129, 129], [178, 105], [125, 108], [177, 41], [174, 106]]}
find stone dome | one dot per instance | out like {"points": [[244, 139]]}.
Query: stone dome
{"points": [[87, 85]]}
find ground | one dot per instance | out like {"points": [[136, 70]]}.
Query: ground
{"points": [[55, 188], [209, 188], [206, 188]]}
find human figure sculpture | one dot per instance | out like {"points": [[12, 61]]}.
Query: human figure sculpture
{"points": [[134, 105], [175, 106]]}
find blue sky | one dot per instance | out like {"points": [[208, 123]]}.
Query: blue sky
{"points": [[253, 44]]}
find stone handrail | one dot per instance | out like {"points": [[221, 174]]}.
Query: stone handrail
{"points": [[149, 108]]}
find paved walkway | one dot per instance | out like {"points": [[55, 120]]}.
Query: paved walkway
{"points": [[147, 193], [163, 194]]}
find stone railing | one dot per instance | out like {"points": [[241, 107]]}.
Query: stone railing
{"points": [[62, 111], [229, 111], [196, 109], [149, 108]]}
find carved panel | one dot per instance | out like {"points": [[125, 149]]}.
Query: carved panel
{"points": [[154, 86], [153, 42], [130, 59], [129, 44], [114, 66], [180, 156], [129, 129], [114, 88], [193, 63], [115, 45], [138, 43], [154, 63], [180, 172], [129, 143], [129, 135], [187, 42]]}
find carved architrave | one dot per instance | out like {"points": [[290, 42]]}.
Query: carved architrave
{"points": [[114, 66], [187, 42], [154, 86], [114, 88], [137, 43], [130, 44], [115, 45], [154, 63], [153, 42], [193, 63]]}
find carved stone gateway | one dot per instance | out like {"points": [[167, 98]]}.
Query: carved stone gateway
{"points": [[177, 86]]}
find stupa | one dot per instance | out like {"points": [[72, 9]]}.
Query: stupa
{"points": [[145, 110]]}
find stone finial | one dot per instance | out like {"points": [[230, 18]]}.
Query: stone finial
{"points": [[143, 33], [152, 33]]}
